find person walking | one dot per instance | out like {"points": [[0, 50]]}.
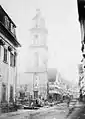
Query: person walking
{"points": [[68, 101]]}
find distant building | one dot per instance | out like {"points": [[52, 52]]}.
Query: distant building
{"points": [[75, 91], [56, 85], [8, 58], [53, 92]]}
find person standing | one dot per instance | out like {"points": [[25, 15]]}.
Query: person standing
{"points": [[68, 101]]}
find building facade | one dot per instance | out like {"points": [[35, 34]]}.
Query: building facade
{"points": [[53, 87], [8, 58], [81, 13], [81, 80], [58, 88]]}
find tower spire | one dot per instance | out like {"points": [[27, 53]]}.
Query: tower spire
{"points": [[39, 20], [38, 14]]}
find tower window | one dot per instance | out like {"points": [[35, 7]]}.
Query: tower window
{"points": [[36, 36]]}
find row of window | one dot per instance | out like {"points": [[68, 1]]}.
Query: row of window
{"points": [[12, 58], [12, 55], [7, 23]]}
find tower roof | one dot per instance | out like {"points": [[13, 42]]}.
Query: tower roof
{"points": [[39, 20], [38, 14]]}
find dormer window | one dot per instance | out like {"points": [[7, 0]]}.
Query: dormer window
{"points": [[12, 29], [6, 22]]}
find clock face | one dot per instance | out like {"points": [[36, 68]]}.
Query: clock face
{"points": [[36, 35]]}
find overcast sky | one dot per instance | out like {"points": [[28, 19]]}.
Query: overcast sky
{"points": [[64, 41]]}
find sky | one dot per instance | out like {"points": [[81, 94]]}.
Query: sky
{"points": [[64, 37]]}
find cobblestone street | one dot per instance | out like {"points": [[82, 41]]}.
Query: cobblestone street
{"points": [[57, 111]]}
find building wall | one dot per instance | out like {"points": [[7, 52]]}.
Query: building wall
{"points": [[7, 72], [81, 11]]}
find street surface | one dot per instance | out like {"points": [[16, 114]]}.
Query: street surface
{"points": [[59, 111], [56, 112], [79, 112]]}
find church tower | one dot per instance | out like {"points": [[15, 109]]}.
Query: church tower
{"points": [[38, 43], [39, 52]]}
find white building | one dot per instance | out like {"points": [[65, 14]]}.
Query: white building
{"points": [[8, 55]]}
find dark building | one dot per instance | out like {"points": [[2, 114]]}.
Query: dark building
{"points": [[81, 13]]}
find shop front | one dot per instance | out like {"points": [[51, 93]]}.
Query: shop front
{"points": [[54, 95]]}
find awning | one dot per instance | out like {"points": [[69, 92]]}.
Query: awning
{"points": [[54, 92]]}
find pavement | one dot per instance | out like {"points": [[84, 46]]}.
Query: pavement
{"points": [[77, 111]]}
